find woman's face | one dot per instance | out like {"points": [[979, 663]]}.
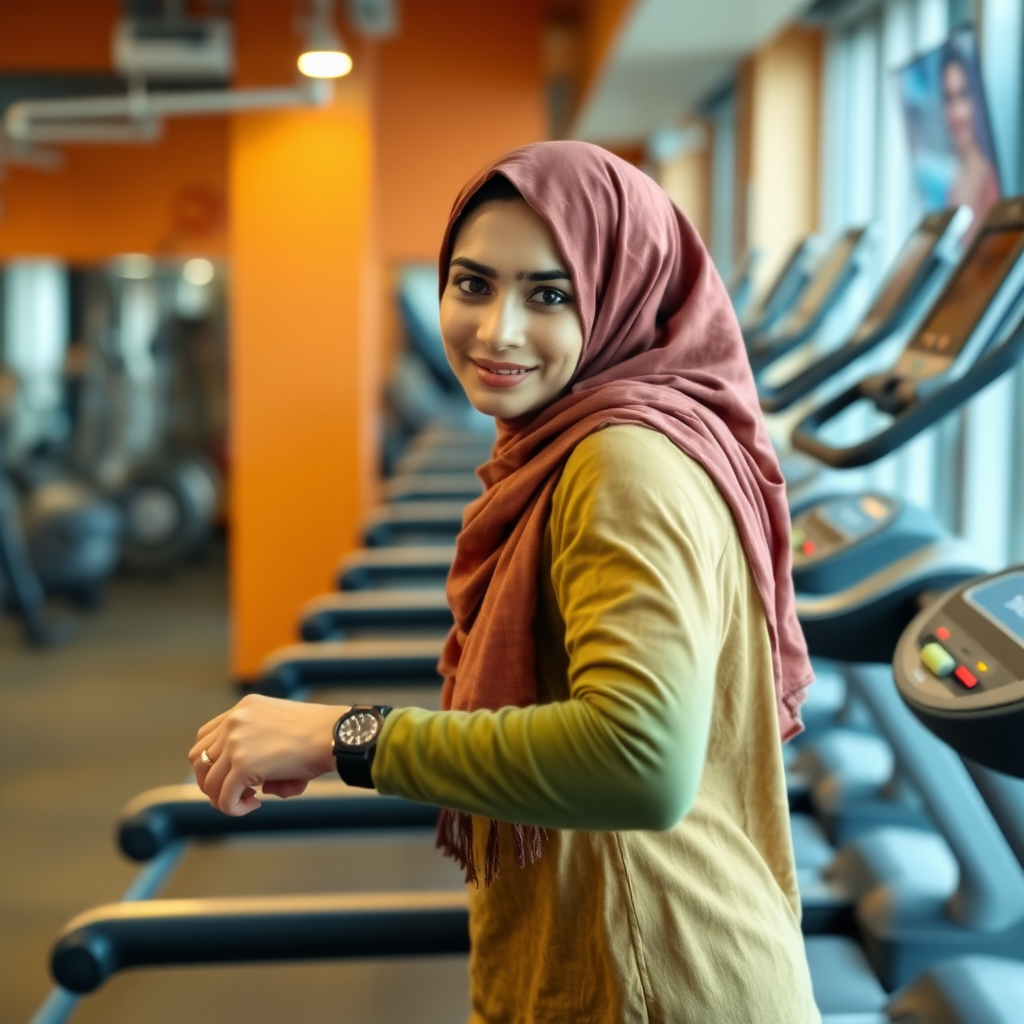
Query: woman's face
{"points": [[509, 319], [959, 106]]}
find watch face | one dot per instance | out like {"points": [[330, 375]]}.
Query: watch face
{"points": [[358, 729]]}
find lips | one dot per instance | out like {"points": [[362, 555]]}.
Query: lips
{"points": [[501, 375]]}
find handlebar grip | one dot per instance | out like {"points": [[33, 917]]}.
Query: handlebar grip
{"points": [[101, 942]]}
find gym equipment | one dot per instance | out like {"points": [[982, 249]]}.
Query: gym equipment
{"points": [[154, 826], [148, 417], [833, 274], [20, 589], [919, 271], [974, 988], [860, 561], [960, 669], [965, 342], [784, 290], [67, 533]]}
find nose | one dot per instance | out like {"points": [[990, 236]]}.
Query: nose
{"points": [[503, 325]]}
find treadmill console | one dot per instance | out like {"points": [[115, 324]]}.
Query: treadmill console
{"points": [[974, 303], [937, 239], [828, 526], [831, 269], [960, 668]]}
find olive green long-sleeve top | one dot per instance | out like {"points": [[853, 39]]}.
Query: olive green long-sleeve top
{"points": [[666, 891]]}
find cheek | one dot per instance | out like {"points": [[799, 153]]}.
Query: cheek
{"points": [[456, 325], [563, 347]]}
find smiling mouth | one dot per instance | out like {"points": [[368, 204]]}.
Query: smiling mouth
{"points": [[504, 369]]}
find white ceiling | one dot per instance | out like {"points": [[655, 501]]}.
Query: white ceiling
{"points": [[668, 56]]}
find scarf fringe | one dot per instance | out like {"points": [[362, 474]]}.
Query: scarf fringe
{"points": [[455, 840]]}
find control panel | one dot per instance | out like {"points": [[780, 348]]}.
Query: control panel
{"points": [[960, 668], [829, 526], [964, 657]]}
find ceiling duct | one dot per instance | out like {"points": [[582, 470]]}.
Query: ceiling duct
{"points": [[171, 49]]}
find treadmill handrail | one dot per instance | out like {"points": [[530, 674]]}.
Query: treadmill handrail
{"points": [[931, 407], [99, 943], [158, 818], [408, 660]]}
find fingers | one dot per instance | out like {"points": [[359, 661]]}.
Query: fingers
{"points": [[237, 795], [213, 751], [285, 787], [204, 732]]}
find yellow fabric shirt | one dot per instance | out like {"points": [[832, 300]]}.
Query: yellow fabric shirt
{"points": [[657, 704]]}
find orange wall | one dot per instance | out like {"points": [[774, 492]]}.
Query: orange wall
{"points": [[460, 85], [50, 35], [168, 198], [303, 393]]}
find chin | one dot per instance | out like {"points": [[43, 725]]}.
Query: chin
{"points": [[500, 409]]}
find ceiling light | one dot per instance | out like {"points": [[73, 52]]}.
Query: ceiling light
{"points": [[198, 271], [324, 56]]}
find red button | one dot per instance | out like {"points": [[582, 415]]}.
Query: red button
{"points": [[963, 673], [942, 633], [809, 547]]}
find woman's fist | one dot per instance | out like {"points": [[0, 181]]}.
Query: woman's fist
{"points": [[263, 743]]}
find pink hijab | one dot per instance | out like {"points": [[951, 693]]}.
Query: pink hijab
{"points": [[662, 348]]}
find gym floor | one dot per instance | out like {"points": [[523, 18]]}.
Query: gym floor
{"points": [[86, 727]]}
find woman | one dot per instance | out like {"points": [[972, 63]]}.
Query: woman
{"points": [[626, 652], [976, 184]]}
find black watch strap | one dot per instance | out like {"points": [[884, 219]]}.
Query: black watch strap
{"points": [[355, 765]]}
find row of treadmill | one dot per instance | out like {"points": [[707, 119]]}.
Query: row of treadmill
{"points": [[907, 787]]}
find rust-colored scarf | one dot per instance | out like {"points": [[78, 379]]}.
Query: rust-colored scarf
{"points": [[662, 348]]}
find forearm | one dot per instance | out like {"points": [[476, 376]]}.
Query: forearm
{"points": [[571, 765]]}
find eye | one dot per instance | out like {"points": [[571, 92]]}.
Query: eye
{"points": [[469, 284], [549, 297]]}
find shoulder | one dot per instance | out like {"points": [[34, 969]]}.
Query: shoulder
{"points": [[629, 476]]}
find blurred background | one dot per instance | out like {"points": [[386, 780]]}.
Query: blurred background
{"points": [[218, 342]]}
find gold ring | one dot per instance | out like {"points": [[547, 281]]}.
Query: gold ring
{"points": [[205, 758]]}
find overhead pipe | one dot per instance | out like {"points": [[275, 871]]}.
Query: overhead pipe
{"points": [[137, 116]]}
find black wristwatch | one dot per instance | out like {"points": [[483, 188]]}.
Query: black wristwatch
{"points": [[355, 742]]}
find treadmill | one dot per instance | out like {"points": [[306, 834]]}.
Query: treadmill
{"points": [[861, 562], [785, 288], [919, 271], [833, 274]]}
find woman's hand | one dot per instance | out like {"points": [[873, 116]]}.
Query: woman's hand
{"points": [[262, 742]]}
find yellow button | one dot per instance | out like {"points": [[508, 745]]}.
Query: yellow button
{"points": [[873, 507], [982, 667], [937, 660]]}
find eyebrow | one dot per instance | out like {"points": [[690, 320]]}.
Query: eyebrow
{"points": [[485, 271]]}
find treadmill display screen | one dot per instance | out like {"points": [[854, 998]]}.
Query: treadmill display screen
{"points": [[908, 266], [1002, 601], [969, 294], [826, 276]]}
